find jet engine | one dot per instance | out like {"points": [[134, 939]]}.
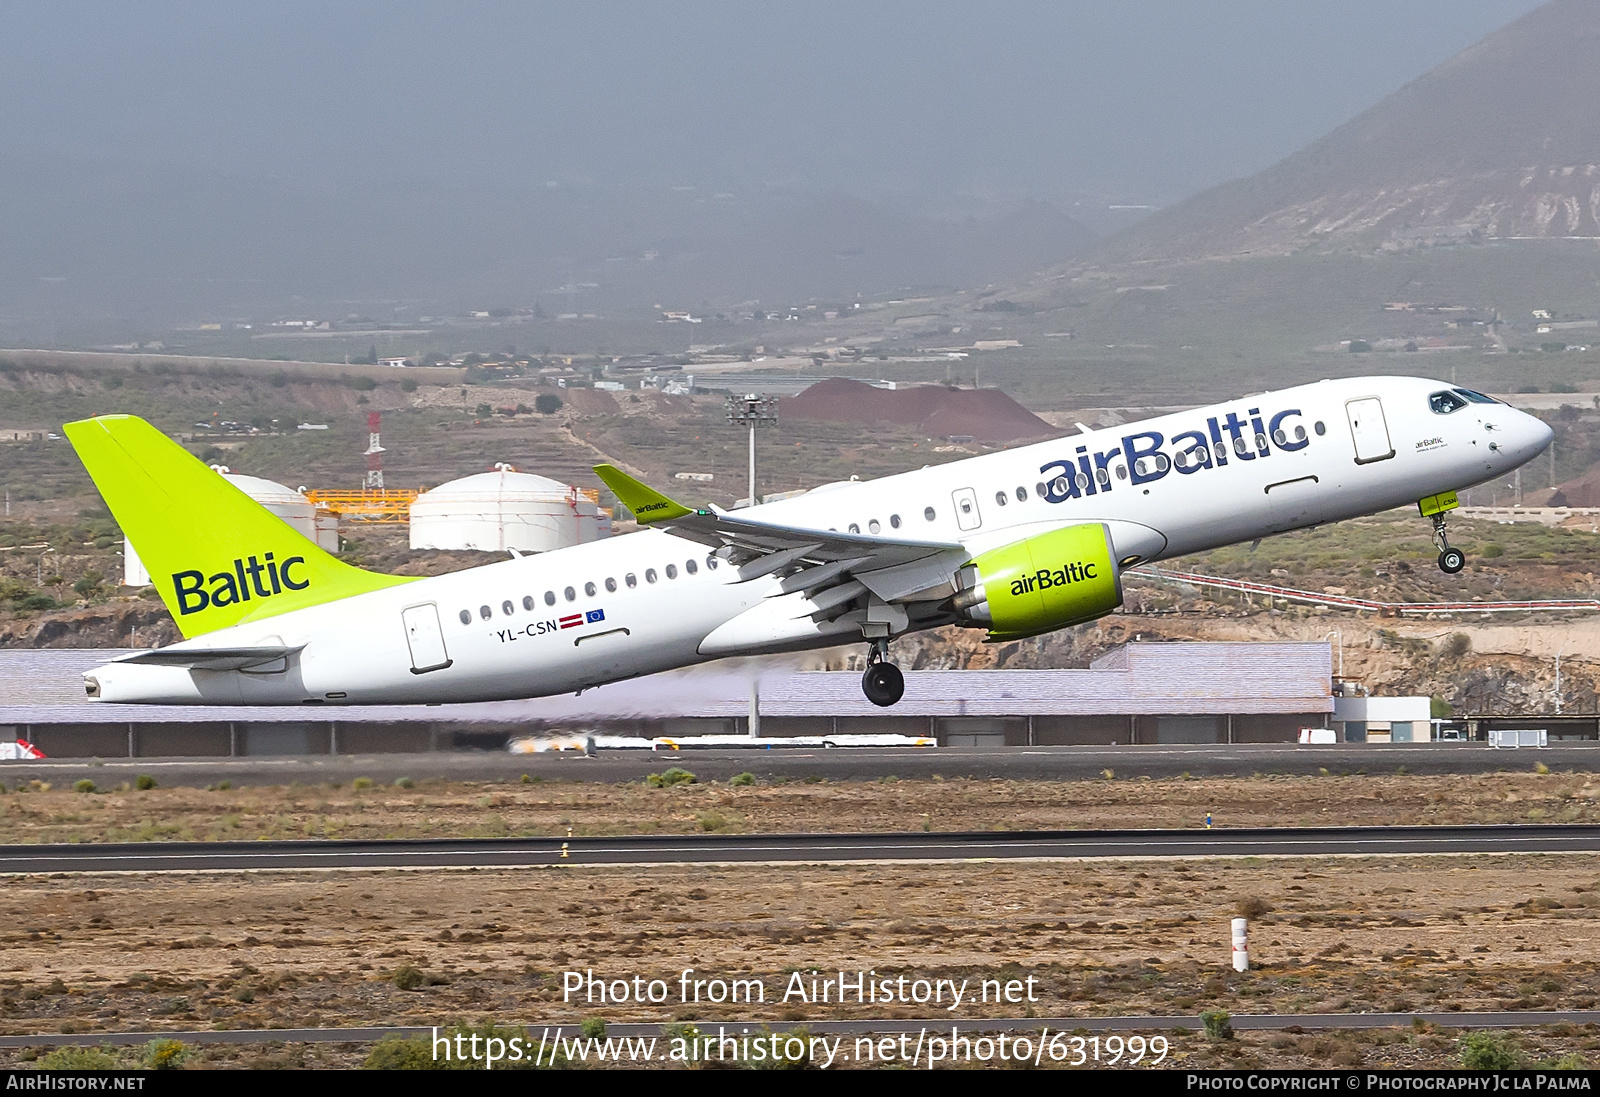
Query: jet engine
{"points": [[1042, 583]]}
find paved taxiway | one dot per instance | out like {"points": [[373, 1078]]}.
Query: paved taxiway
{"points": [[647, 849], [840, 764]]}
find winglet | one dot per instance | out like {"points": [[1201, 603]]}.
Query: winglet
{"points": [[648, 505]]}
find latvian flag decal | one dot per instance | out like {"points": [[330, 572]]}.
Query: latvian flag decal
{"points": [[587, 618]]}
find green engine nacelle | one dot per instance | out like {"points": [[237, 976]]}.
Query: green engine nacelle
{"points": [[1043, 583]]}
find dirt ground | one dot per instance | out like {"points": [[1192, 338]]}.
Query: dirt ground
{"points": [[255, 950], [441, 809], [111, 952]]}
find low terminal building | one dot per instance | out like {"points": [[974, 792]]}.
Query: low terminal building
{"points": [[1178, 693]]}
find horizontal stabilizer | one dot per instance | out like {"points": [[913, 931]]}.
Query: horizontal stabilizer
{"points": [[212, 658]]}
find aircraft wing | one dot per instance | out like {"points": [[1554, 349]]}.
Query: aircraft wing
{"points": [[212, 658], [894, 570]]}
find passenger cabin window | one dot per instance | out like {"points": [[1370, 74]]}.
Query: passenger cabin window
{"points": [[672, 571], [1443, 403], [485, 612], [874, 526], [527, 601], [1001, 498], [894, 521], [570, 594], [928, 513], [1103, 476], [1320, 428], [712, 561], [649, 575], [611, 585], [466, 617], [1022, 495], [690, 566], [507, 608], [549, 597], [1040, 490], [853, 528], [631, 579], [588, 588]]}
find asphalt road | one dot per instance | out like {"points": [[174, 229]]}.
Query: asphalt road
{"points": [[839, 764], [149, 857]]}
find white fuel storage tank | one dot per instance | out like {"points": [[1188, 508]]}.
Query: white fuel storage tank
{"points": [[503, 509]]}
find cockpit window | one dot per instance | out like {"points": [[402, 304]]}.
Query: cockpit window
{"points": [[1476, 397], [1443, 403]]}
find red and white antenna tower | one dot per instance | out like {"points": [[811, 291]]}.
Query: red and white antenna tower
{"points": [[374, 452]]}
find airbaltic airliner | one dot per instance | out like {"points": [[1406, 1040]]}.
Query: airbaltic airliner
{"points": [[1017, 542]]}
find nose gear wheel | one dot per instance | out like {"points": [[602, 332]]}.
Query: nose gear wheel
{"points": [[1451, 560]]}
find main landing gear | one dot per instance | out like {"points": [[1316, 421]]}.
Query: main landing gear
{"points": [[882, 683]]}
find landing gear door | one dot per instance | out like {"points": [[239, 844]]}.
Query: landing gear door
{"points": [[1369, 430], [966, 504], [425, 638]]}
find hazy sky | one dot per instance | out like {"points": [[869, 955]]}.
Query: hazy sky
{"points": [[1138, 100]]}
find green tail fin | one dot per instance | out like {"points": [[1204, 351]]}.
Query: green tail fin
{"points": [[217, 557], [648, 504]]}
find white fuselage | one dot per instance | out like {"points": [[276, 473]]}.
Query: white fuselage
{"points": [[650, 601]]}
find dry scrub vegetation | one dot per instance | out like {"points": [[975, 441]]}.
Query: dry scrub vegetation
{"points": [[253, 950], [450, 809]]}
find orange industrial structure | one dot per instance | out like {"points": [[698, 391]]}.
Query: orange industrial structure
{"points": [[391, 506], [386, 506]]}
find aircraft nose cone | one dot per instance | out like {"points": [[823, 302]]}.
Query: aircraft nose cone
{"points": [[1539, 436], [1532, 437]]}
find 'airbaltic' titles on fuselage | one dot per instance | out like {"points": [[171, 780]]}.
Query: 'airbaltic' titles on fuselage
{"points": [[1045, 579], [249, 578], [1225, 437]]}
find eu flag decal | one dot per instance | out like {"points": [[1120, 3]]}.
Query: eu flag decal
{"points": [[594, 615]]}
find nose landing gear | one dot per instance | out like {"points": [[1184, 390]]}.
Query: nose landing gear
{"points": [[1434, 508], [882, 683]]}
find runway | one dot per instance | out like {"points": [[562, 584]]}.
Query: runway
{"points": [[155, 857], [840, 764]]}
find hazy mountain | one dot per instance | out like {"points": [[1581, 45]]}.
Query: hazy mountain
{"points": [[1502, 140], [160, 245]]}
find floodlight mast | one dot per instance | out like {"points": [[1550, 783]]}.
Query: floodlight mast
{"points": [[753, 410]]}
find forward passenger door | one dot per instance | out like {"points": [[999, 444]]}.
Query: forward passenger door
{"points": [[1369, 430]]}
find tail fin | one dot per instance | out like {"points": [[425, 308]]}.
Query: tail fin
{"points": [[217, 557]]}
